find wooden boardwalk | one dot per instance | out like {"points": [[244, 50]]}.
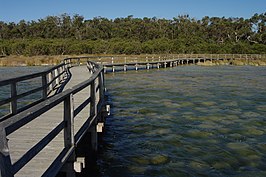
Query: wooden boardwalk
{"points": [[41, 139], [27, 136]]}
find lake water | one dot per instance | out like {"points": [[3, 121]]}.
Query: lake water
{"points": [[186, 121], [183, 121]]}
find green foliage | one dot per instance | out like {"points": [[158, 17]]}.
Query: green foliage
{"points": [[56, 35]]}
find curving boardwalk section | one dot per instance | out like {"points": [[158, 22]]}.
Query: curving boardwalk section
{"points": [[43, 139], [26, 137]]}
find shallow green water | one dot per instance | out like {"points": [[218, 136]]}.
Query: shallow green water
{"points": [[186, 121]]}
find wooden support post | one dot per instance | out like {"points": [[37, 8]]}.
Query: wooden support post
{"points": [[44, 86], [100, 127], [69, 134], [5, 161], [94, 137], [101, 86], [70, 62], [165, 64], [13, 106], [56, 76], [49, 80], [93, 99], [69, 119], [125, 67], [60, 70], [113, 69]]}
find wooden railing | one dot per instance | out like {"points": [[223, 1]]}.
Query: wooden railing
{"points": [[95, 100], [50, 80], [153, 58]]}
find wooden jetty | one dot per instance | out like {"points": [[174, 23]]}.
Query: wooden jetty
{"points": [[42, 140], [150, 64], [46, 136]]}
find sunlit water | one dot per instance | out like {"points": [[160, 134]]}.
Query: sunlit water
{"points": [[186, 121]]}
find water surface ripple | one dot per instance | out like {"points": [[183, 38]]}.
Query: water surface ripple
{"points": [[186, 121]]}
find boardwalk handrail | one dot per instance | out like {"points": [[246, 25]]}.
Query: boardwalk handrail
{"points": [[96, 101], [50, 80]]}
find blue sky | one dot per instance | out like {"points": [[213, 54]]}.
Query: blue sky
{"points": [[16, 10]]}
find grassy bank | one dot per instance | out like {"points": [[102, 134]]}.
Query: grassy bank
{"points": [[238, 62], [30, 61]]}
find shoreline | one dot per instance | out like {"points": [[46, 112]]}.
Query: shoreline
{"points": [[239, 62], [25, 61]]}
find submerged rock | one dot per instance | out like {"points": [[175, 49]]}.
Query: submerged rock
{"points": [[254, 131], [261, 107], [221, 165], [208, 103], [137, 169], [141, 160], [238, 146], [159, 159], [243, 149], [199, 165], [198, 134]]}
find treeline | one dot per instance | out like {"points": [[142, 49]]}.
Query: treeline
{"points": [[64, 34]]}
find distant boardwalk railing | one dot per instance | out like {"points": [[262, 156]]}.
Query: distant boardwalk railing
{"points": [[120, 63], [94, 99]]}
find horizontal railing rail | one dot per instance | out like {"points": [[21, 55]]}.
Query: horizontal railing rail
{"points": [[155, 58], [95, 101]]}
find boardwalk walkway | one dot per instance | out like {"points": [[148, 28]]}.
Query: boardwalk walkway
{"points": [[26, 137]]}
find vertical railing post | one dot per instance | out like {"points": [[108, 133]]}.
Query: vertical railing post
{"points": [[69, 119], [5, 161], [101, 85], [13, 106], [69, 140], [44, 86], [50, 77], [61, 70], [93, 99], [56, 76]]}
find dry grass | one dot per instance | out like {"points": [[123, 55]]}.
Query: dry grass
{"points": [[53, 60], [256, 60], [30, 61]]}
